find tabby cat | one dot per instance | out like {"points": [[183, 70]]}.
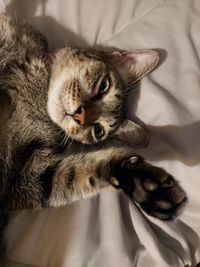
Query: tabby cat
{"points": [[63, 132]]}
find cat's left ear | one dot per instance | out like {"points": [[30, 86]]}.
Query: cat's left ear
{"points": [[133, 66], [132, 133]]}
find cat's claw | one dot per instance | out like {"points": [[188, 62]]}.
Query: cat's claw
{"points": [[130, 161], [156, 191]]}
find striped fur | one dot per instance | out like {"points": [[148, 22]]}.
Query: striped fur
{"points": [[40, 166]]}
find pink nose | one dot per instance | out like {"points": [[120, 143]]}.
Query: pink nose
{"points": [[79, 115]]}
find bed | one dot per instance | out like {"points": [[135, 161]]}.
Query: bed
{"points": [[108, 230]]}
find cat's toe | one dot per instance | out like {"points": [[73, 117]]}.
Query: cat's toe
{"points": [[164, 196], [118, 172], [156, 191], [165, 203], [130, 162]]}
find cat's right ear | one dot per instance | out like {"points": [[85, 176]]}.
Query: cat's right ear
{"points": [[132, 134], [133, 66]]}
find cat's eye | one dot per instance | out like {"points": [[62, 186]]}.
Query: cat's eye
{"points": [[104, 85], [98, 130]]}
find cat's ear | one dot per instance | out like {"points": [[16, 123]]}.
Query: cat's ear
{"points": [[133, 134], [133, 66]]}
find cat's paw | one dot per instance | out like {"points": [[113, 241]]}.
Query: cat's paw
{"points": [[156, 191], [7, 28]]}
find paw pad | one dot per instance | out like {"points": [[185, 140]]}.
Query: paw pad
{"points": [[156, 191], [150, 185]]}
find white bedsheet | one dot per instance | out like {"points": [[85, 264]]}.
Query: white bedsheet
{"points": [[108, 230]]}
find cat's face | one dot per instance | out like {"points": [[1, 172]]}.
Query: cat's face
{"points": [[86, 93], [86, 96]]}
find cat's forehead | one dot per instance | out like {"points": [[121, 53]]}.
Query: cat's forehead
{"points": [[91, 67], [86, 69], [87, 61]]}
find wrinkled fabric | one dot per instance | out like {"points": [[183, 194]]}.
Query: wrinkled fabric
{"points": [[108, 230]]}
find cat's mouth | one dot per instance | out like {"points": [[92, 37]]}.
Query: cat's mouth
{"points": [[78, 114], [65, 114]]}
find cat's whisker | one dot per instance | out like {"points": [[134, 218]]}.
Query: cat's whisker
{"points": [[66, 139], [70, 144], [61, 132], [127, 90]]}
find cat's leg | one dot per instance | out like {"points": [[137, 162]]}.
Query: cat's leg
{"points": [[44, 181], [28, 37], [8, 51], [8, 29], [40, 178], [85, 174], [18, 38], [155, 190], [32, 40]]}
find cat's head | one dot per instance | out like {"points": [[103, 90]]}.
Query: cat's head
{"points": [[88, 87]]}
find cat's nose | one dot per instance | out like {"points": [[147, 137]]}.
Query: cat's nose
{"points": [[79, 115]]}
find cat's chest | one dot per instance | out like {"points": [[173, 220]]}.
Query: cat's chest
{"points": [[29, 120]]}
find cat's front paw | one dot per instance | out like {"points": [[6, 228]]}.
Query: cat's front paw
{"points": [[156, 191]]}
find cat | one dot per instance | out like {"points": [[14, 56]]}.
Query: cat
{"points": [[63, 131]]}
